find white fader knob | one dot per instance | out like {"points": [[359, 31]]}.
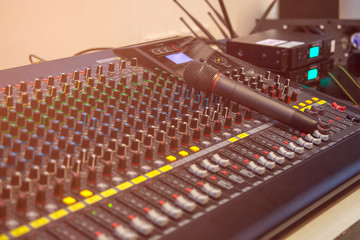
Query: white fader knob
{"points": [[294, 148], [171, 210], [310, 138], [282, 151], [209, 166], [185, 204], [307, 145], [125, 233], [219, 160], [323, 137], [211, 191]]}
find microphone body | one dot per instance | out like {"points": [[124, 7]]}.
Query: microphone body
{"points": [[206, 78]]}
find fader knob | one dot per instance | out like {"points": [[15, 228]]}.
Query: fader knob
{"points": [[59, 189], [149, 153], [133, 62], [21, 204], [91, 178], [111, 67], [40, 197], [3, 214], [196, 135], [217, 126], [294, 96], [248, 114], [75, 182], [161, 148], [107, 171]]}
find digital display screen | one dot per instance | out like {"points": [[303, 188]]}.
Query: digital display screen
{"points": [[179, 58], [314, 52], [312, 74]]}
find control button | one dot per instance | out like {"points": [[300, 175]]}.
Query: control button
{"points": [[206, 144], [302, 104], [183, 153], [315, 99], [308, 102], [209, 166], [219, 160], [86, 193], [69, 200], [194, 149], [194, 169], [171, 158], [216, 139]]}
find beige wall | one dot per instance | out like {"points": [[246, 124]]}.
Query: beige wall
{"points": [[59, 28]]}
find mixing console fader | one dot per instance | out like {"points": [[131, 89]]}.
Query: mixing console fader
{"points": [[115, 145]]}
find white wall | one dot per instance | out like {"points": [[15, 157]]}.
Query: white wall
{"points": [[59, 28]]}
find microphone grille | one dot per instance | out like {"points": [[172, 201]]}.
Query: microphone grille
{"points": [[200, 75]]}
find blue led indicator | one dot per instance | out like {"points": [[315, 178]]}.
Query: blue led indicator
{"points": [[314, 52], [312, 74]]}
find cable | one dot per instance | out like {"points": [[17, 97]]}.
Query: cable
{"points": [[342, 88], [91, 50], [31, 56]]}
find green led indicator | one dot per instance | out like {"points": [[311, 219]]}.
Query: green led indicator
{"points": [[314, 52], [110, 205], [93, 212], [312, 74]]}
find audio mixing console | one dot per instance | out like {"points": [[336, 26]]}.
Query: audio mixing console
{"points": [[115, 145]]}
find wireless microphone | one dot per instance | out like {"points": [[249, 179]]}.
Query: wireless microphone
{"points": [[206, 78]]}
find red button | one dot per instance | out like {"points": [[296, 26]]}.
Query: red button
{"points": [[246, 161], [235, 167]]}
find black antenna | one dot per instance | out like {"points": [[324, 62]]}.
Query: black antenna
{"points": [[263, 17], [207, 33], [217, 13], [217, 24], [187, 25], [227, 20]]}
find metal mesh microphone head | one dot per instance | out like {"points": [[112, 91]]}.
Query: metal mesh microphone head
{"points": [[200, 75]]}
